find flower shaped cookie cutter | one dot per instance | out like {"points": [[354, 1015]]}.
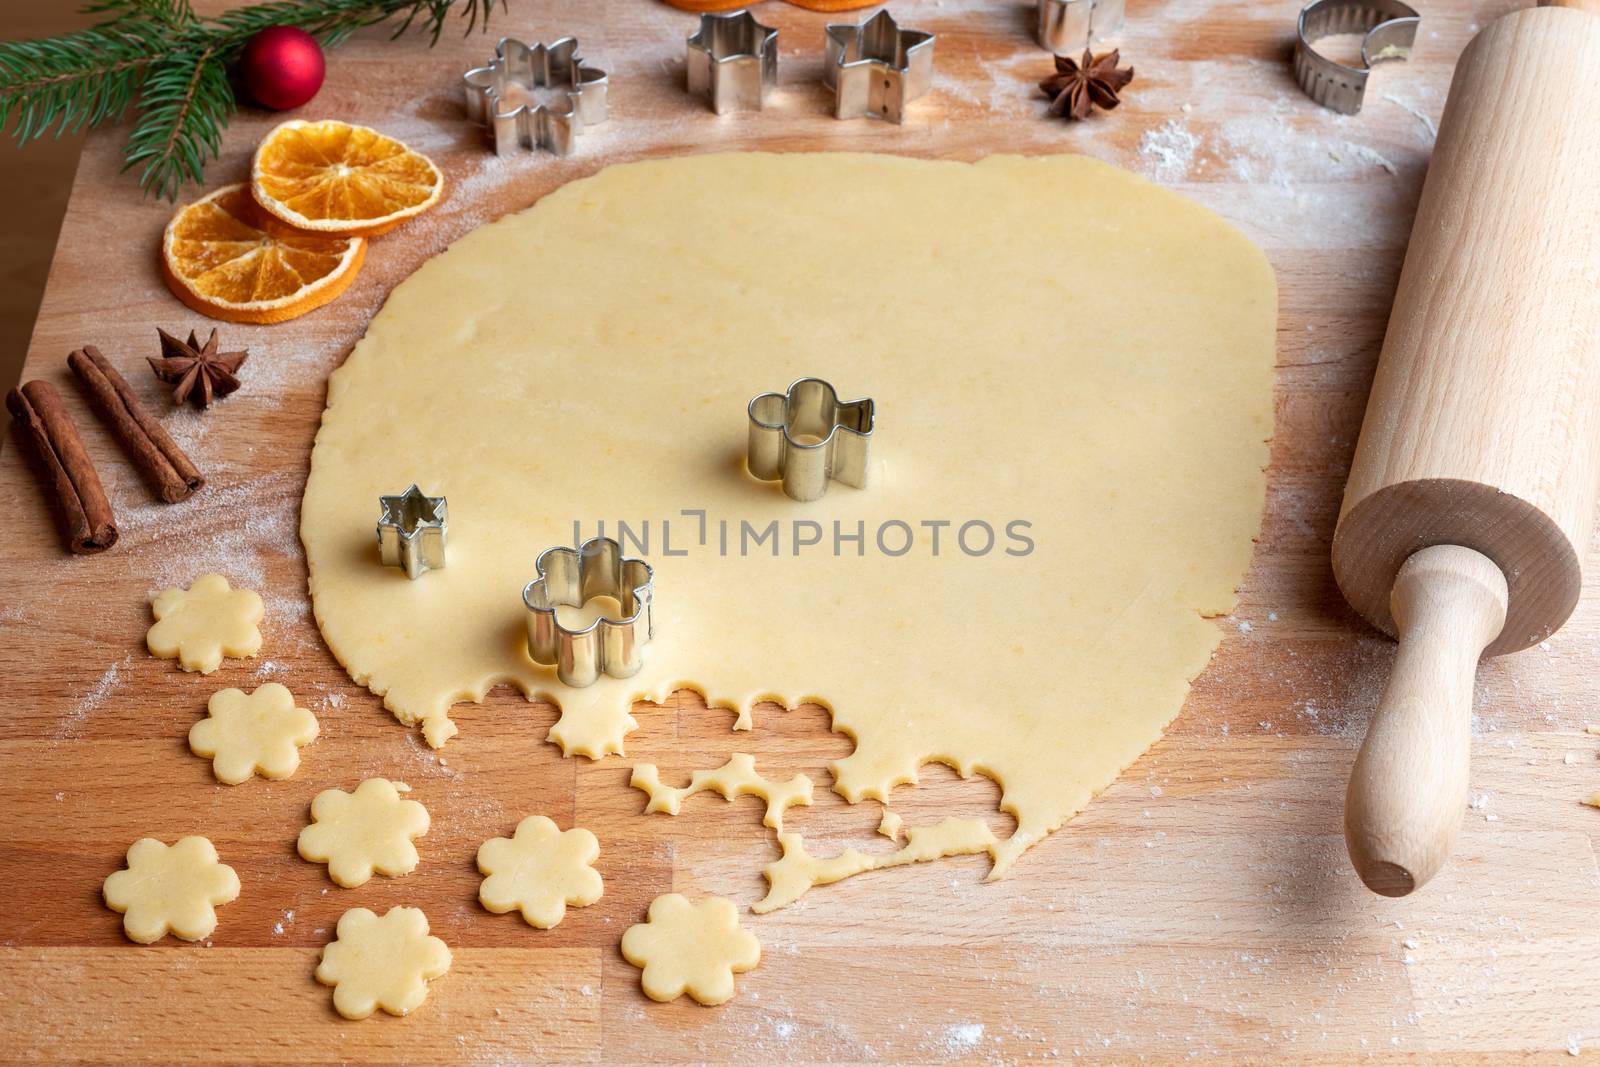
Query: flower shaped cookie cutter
{"points": [[502, 96], [573, 577], [807, 436], [411, 531]]}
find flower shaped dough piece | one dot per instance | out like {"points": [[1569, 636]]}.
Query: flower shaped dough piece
{"points": [[381, 963], [253, 733], [170, 890], [539, 870], [201, 624], [365, 831], [693, 948]]}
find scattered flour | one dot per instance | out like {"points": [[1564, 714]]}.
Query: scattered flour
{"points": [[963, 1036], [1416, 113], [1370, 155], [92, 700], [1170, 149]]}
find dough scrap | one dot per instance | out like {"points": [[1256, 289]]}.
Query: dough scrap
{"points": [[539, 870], [253, 733], [199, 625], [797, 870], [736, 778], [381, 963], [172, 890], [369, 830], [690, 948], [1594, 801], [891, 825], [1126, 422]]}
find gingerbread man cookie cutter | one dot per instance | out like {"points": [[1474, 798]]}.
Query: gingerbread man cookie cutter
{"points": [[807, 436], [573, 577], [502, 96]]}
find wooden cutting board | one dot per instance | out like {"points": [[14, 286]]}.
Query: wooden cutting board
{"points": [[1201, 905]]}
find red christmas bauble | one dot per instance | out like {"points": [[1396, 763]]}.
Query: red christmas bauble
{"points": [[282, 67]]}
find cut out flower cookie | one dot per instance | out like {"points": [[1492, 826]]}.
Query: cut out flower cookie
{"points": [[253, 733], [381, 963], [690, 948], [540, 871], [170, 890], [199, 625], [365, 831]]}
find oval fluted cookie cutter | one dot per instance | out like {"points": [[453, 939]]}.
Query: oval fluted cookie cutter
{"points": [[1390, 29], [573, 577], [807, 435], [527, 123]]}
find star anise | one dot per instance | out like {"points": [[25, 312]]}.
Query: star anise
{"points": [[199, 373], [1078, 87]]}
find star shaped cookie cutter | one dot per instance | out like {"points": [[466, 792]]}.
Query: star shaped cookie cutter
{"points": [[876, 68], [733, 59], [1067, 27], [411, 531], [807, 435], [1390, 28], [502, 96], [574, 576]]}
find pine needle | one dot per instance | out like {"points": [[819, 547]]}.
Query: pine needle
{"points": [[171, 67]]}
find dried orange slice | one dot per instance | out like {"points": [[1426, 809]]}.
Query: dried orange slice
{"points": [[332, 177], [226, 258]]}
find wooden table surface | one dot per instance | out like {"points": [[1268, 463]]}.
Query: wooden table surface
{"points": [[1202, 905]]}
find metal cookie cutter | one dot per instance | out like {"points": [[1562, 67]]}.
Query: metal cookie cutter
{"points": [[1390, 28], [1067, 27], [807, 436], [502, 96], [733, 59], [574, 576], [411, 531], [876, 68]]}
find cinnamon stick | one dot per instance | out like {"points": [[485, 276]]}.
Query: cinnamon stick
{"points": [[158, 457], [65, 471]]}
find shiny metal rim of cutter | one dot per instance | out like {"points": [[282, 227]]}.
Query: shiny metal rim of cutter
{"points": [[1390, 29], [876, 68], [1067, 27], [574, 576], [533, 125], [807, 435], [733, 60], [411, 531]]}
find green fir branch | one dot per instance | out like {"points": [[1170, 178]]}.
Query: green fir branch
{"points": [[158, 57], [183, 108]]}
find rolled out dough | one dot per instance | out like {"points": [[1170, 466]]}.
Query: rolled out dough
{"points": [[1050, 341]]}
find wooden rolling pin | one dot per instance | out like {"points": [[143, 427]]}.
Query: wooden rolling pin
{"points": [[1472, 493]]}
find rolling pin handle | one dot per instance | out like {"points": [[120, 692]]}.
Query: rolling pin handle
{"points": [[1408, 790], [1581, 5]]}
